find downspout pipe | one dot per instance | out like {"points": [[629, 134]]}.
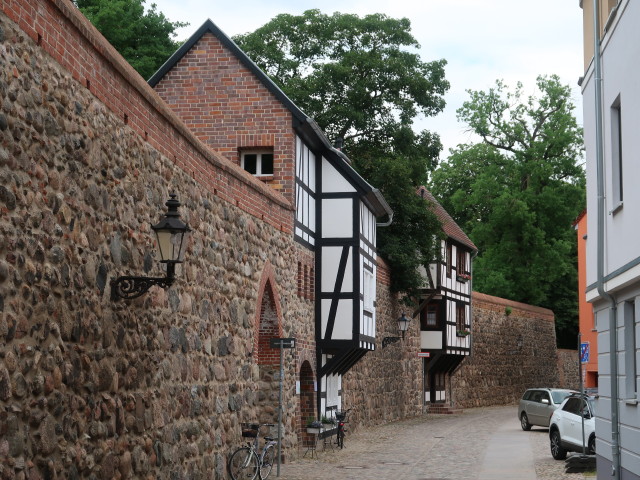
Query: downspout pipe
{"points": [[613, 307]]}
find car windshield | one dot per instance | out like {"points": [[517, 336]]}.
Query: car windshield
{"points": [[559, 395]]}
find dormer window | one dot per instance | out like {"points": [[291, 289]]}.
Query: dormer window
{"points": [[257, 162]]}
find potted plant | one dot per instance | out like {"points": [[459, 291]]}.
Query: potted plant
{"points": [[313, 426], [327, 422], [462, 333], [463, 277]]}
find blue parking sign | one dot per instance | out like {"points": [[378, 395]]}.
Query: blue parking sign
{"points": [[584, 352]]}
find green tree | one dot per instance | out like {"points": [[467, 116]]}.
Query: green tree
{"points": [[358, 78], [517, 193], [144, 39], [354, 76], [412, 239]]}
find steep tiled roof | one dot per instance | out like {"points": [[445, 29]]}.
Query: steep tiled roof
{"points": [[449, 226]]}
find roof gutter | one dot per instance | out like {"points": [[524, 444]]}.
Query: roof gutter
{"points": [[373, 197], [613, 306]]}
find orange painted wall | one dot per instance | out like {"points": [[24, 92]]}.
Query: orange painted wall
{"points": [[585, 309]]}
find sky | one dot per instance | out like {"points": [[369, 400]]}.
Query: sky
{"points": [[482, 40]]}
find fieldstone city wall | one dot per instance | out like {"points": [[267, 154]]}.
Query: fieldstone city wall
{"points": [[568, 368], [158, 387], [514, 348], [385, 384], [155, 387]]}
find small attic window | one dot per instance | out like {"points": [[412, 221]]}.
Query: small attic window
{"points": [[257, 162]]}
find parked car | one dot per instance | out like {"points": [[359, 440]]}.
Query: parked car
{"points": [[566, 427], [537, 405]]}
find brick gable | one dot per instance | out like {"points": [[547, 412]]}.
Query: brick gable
{"points": [[229, 108]]}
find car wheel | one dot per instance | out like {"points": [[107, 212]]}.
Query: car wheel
{"points": [[524, 422], [557, 451], [592, 445]]}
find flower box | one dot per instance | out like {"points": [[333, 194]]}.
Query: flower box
{"points": [[463, 277], [462, 333]]}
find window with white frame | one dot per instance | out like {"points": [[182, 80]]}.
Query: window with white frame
{"points": [[461, 318], [461, 261], [616, 155], [369, 287], [630, 362], [257, 162], [333, 387]]}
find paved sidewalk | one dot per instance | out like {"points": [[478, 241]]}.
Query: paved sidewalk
{"points": [[508, 455], [479, 444]]}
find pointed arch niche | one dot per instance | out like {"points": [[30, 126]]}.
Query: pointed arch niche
{"points": [[268, 321], [307, 407]]}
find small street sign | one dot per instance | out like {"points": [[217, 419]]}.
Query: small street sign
{"points": [[584, 352], [424, 354], [282, 343]]}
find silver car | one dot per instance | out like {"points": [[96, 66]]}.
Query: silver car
{"points": [[538, 404]]}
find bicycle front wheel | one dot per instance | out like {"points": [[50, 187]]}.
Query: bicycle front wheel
{"points": [[341, 438], [243, 465], [267, 461]]}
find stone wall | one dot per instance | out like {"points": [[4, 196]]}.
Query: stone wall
{"points": [[386, 384], [568, 369], [155, 387], [513, 348]]}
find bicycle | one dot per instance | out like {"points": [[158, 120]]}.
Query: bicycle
{"points": [[342, 419], [249, 462]]}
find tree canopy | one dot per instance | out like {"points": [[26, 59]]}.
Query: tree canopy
{"points": [[517, 193], [355, 76], [144, 39], [360, 79]]}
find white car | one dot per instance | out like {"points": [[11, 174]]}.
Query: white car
{"points": [[572, 427]]}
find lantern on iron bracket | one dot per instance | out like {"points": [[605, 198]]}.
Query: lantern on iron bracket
{"points": [[403, 326], [171, 235]]}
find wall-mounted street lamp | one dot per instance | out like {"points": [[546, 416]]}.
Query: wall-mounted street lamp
{"points": [[171, 235], [403, 326]]}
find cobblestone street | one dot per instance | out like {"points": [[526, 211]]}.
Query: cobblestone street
{"points": [[432, 448]]}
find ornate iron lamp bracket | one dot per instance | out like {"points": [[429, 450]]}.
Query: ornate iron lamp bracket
{"points": [[129, 288], [389, 340]]}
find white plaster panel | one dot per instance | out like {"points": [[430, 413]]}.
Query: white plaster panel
{"points": [[431, 340], [325, 305], [337, 218], [343, 326], [333, 181], [330, 264], [312, 172]]}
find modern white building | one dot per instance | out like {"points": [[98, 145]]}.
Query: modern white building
{"points": [[611, 97]]}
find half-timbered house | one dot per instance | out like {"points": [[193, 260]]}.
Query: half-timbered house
{"points": [[237, 110], [445, 306]]}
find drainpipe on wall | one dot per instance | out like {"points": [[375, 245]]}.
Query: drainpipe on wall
{"points": [[613, 330]]}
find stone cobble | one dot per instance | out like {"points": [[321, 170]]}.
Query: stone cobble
{"points": [[430, 447]]}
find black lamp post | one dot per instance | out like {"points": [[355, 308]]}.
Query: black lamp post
{"points": [[171, 233], [403, 326]]}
